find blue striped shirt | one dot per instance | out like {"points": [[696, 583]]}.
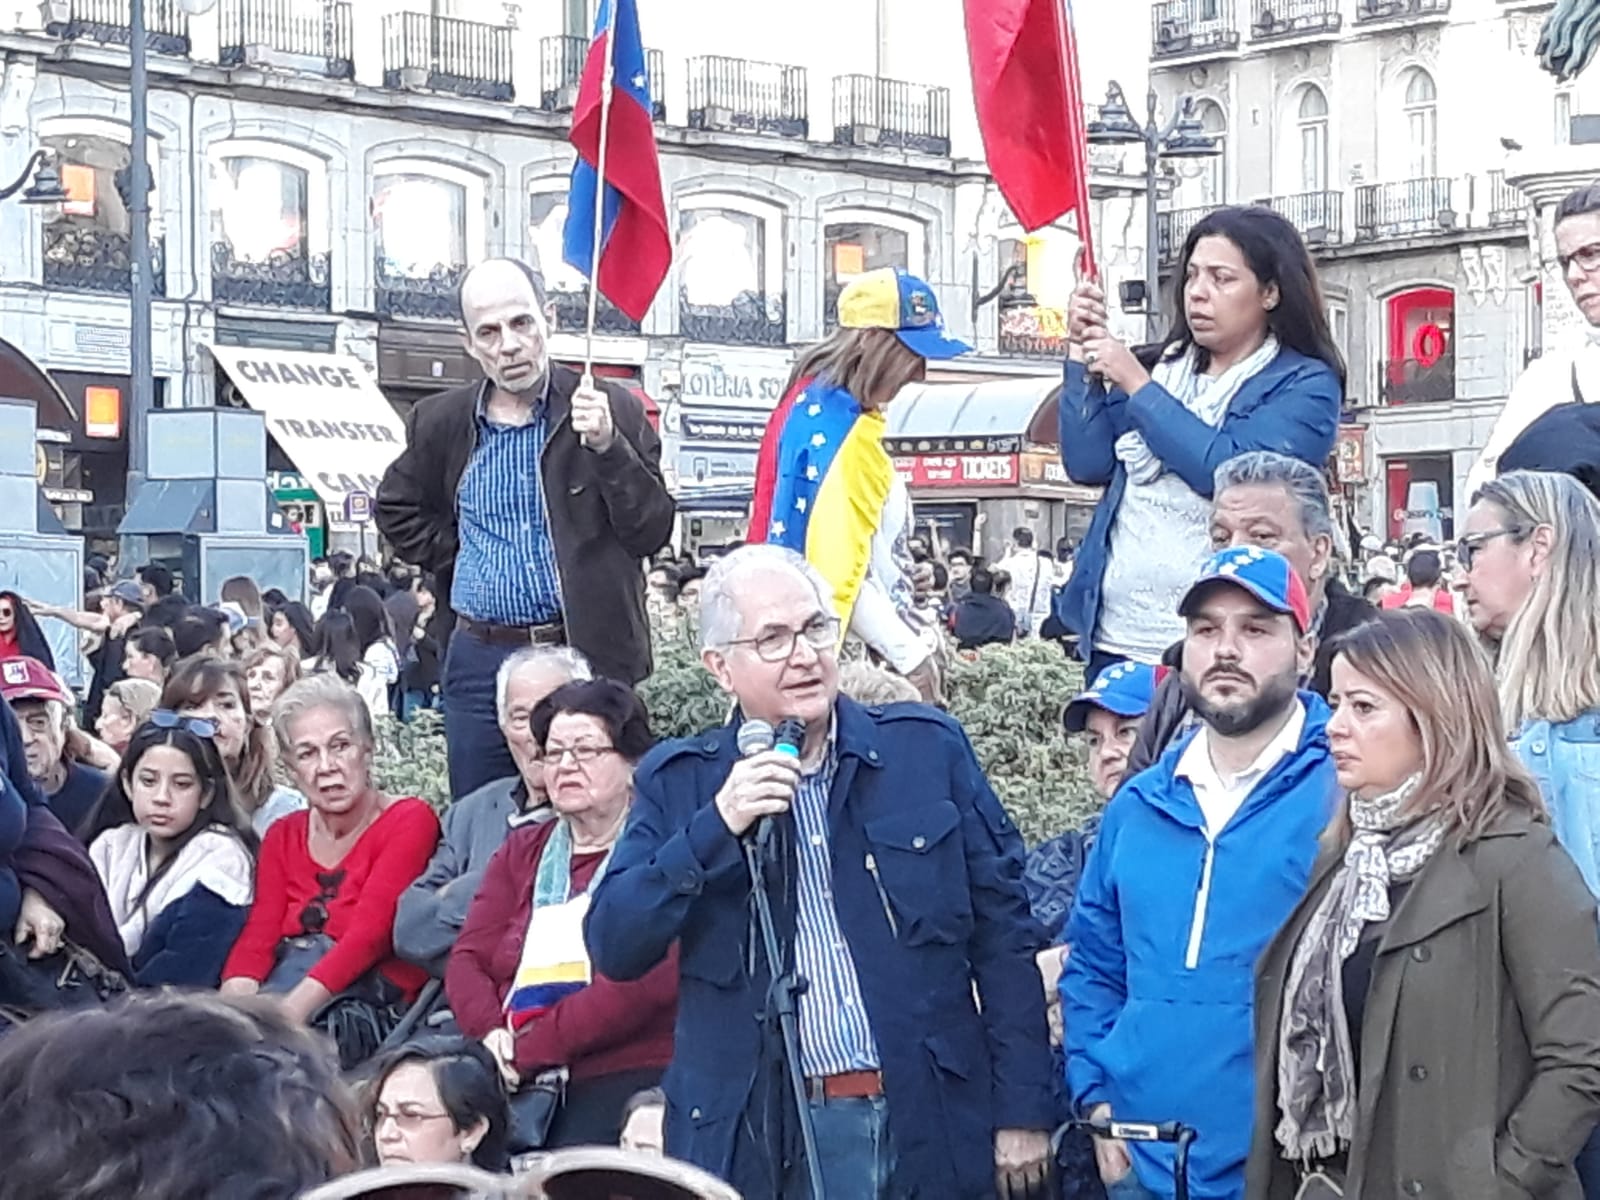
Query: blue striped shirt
{"points": [[835, 1033], [505, 570]]}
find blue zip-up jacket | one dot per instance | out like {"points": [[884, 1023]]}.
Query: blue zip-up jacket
{"points": [[1291, 406], [1158, 1037], [1564, 758], [927, 884]]}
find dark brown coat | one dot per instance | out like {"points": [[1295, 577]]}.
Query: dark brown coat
{"points": [[1480, 1047], [607, 512]]}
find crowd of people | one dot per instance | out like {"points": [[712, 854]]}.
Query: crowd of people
{"points": [[1337, 920]]}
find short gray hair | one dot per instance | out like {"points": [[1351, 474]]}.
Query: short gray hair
{"points": [[1301, 480], [570, 664], [719, 610], [324, 690]]}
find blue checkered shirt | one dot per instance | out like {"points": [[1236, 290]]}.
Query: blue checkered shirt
{"points": [[505, 570], [835, 1034]]}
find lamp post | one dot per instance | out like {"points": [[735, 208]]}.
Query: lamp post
{"points": [[1183, 136], [46, 186]]}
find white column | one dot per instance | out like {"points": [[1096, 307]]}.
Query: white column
{"points": [[1545, 176]]}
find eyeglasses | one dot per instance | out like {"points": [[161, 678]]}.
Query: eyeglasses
{"points": [[314, 916], [408, 1119], [165, 718], [582, 755], [1467, 547], [777, 645], [1587, 258]]}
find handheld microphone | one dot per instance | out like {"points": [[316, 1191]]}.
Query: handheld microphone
{"points": [[790, 736], [754, 737]]}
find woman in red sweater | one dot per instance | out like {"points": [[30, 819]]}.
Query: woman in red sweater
{"points": [[329, 877], [519, 975]]}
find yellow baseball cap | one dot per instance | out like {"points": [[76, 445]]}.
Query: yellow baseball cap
{"points": [[889, 298]]}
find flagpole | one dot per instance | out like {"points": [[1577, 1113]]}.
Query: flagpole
{"points": [[1078, 126], [607, 86]]}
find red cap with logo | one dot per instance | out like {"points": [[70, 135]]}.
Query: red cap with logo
{"points": [[29, 679]]}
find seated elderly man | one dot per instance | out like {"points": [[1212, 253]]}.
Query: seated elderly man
{"points": [[434, 908], [44, 710]]}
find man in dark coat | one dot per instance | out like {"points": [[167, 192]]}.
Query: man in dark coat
{"points": [[981, 618], [533, 500], [896, 886]]}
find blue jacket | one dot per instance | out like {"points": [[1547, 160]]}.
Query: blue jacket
{"points": [[910, 794], [1564, 758], [1155, 1038], [188, 941], [1292, 406], [17, 791]]}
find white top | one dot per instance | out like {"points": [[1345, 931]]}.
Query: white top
{"points": [[1546, 383], [214, 859], [1220, 798], [883, 617], [380, 668], [280, 804], [1160, 540], [1032, 581]]}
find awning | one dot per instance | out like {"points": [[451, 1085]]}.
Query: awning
{"points": [[327, 413], [997, 417], [22, 379]]}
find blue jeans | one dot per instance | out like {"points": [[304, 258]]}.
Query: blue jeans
{"points": [[855, 1152], [1129, 1188], [477, 749], [413, 701], [1588, 1165]]}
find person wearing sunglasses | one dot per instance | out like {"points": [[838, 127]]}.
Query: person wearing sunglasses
{"points": [[519, 977], [1565, 374], [20, 635], [174, 852]]}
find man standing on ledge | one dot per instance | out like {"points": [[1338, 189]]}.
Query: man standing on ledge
{"points": [[533, 501]]}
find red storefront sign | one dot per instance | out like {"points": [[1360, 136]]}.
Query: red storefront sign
{"points": [[958, 470]]}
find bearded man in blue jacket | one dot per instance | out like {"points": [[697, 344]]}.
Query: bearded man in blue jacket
{"points": [[1200, 859]]}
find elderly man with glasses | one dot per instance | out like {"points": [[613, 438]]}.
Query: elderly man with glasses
{"points": [[895, 879]]}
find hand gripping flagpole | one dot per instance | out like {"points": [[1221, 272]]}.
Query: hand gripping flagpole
{"points": [[607, 85]]}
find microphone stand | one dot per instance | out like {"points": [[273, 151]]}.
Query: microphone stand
{"points": [[782, 995]]}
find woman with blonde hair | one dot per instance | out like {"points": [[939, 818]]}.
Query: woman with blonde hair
{"points": [[269, 670], [1428, 1019]]}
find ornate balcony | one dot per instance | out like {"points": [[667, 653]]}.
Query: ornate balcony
{"points": [[1033, 331], [890, 114], [751, 320], [166, 28], [278, 33], [1507, 206], [1412, 208], [86, 258], [1193, 28], [1410, 381], [1172, 230], [283, 281], [1319, 216], [1275, 19], [1397, 10], [431, 297], [571, 311], [561, 62], [750, 97], [445, 54]]}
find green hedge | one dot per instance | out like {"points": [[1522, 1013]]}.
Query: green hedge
{"points": [[1008, 698]]}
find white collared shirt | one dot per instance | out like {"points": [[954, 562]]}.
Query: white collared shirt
{"points": [[1220, 798]]}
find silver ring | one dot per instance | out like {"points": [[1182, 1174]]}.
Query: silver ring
{"points": [[1089, 358]]}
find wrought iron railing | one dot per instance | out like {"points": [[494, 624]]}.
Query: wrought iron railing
{"points": [[1506, 205], [284, 28], [1319, 216], [761, 97], [1172, 230], [1409, 208], [868, 111], [571, 314], [750, 320], [1185, 27], [166, 27], [1293, 18], [1411, 381], [87, 258], [1033, 331], [283, 281], [1388, 10], [447, 54], [430, 297], [561, 61]]}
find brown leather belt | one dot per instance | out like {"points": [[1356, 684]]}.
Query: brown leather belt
{"points": [[552, 633], [851, 1085]]}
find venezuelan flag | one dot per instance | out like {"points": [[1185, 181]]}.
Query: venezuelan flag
{"points": [[540, 988], [822, 480]]}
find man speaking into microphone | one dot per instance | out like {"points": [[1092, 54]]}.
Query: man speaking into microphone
{"points": [[895, 882]]}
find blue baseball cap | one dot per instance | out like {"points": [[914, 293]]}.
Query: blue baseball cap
{"points": [[1122, 689], [888, 298], [1265, 574]]}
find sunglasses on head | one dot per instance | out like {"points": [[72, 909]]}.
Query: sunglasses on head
{"points": [[165, 718]]}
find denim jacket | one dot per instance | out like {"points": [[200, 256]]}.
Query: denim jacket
{"points": [[1565, 759]]}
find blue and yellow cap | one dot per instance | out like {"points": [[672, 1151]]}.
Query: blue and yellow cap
{"points": [[888, 298]]}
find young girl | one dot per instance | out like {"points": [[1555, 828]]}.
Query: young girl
{"points": [[215, 690], [174, 853]]}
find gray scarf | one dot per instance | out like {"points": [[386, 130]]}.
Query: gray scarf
{"points": [[1316, 1067]]}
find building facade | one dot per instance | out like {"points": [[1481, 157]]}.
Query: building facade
{"points": [[325, 170], [1382, 129]]}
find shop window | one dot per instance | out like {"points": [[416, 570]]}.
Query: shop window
{"points": [[420, 224], [261, 252], [1420, 363], [855, 247], [1421, 496], [730, 285], [566, 287], [87, 243]]}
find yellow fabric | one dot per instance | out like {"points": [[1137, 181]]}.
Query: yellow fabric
{"points": [[849, 508], [871, 301]]}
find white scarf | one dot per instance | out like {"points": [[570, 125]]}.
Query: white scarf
{"points": [[1206, 396], [214, 860]]}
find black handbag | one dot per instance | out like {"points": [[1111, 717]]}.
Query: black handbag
{"points": [[72, 977], [534, 1106], [359, 1018]]}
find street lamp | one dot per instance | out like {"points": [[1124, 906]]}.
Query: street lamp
{"points": [[46, 186], [1183, 136]]}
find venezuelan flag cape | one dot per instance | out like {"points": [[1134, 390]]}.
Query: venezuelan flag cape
{"points": [[822, 480]]}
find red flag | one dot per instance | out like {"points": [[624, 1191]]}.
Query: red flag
{"points": [[1030, 108]]}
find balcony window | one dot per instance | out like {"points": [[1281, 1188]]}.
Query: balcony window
{"points": [[1420, 364], [728, 292], [446, 54], [750, 97], [1188, 28], [1422, 124], [1313, 121], [260, 222], [420, 222], [891, 113], [314, 36], [851, 250], [87, 246], [1410, 209], [1203, 182], [566, 288]]}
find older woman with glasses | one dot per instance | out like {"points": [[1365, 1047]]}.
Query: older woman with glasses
{"points": [[329, 878], [519, 976]]}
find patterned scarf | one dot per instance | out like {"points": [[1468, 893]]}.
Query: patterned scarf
{"points": [[555, 960], [1316, 1066]]}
